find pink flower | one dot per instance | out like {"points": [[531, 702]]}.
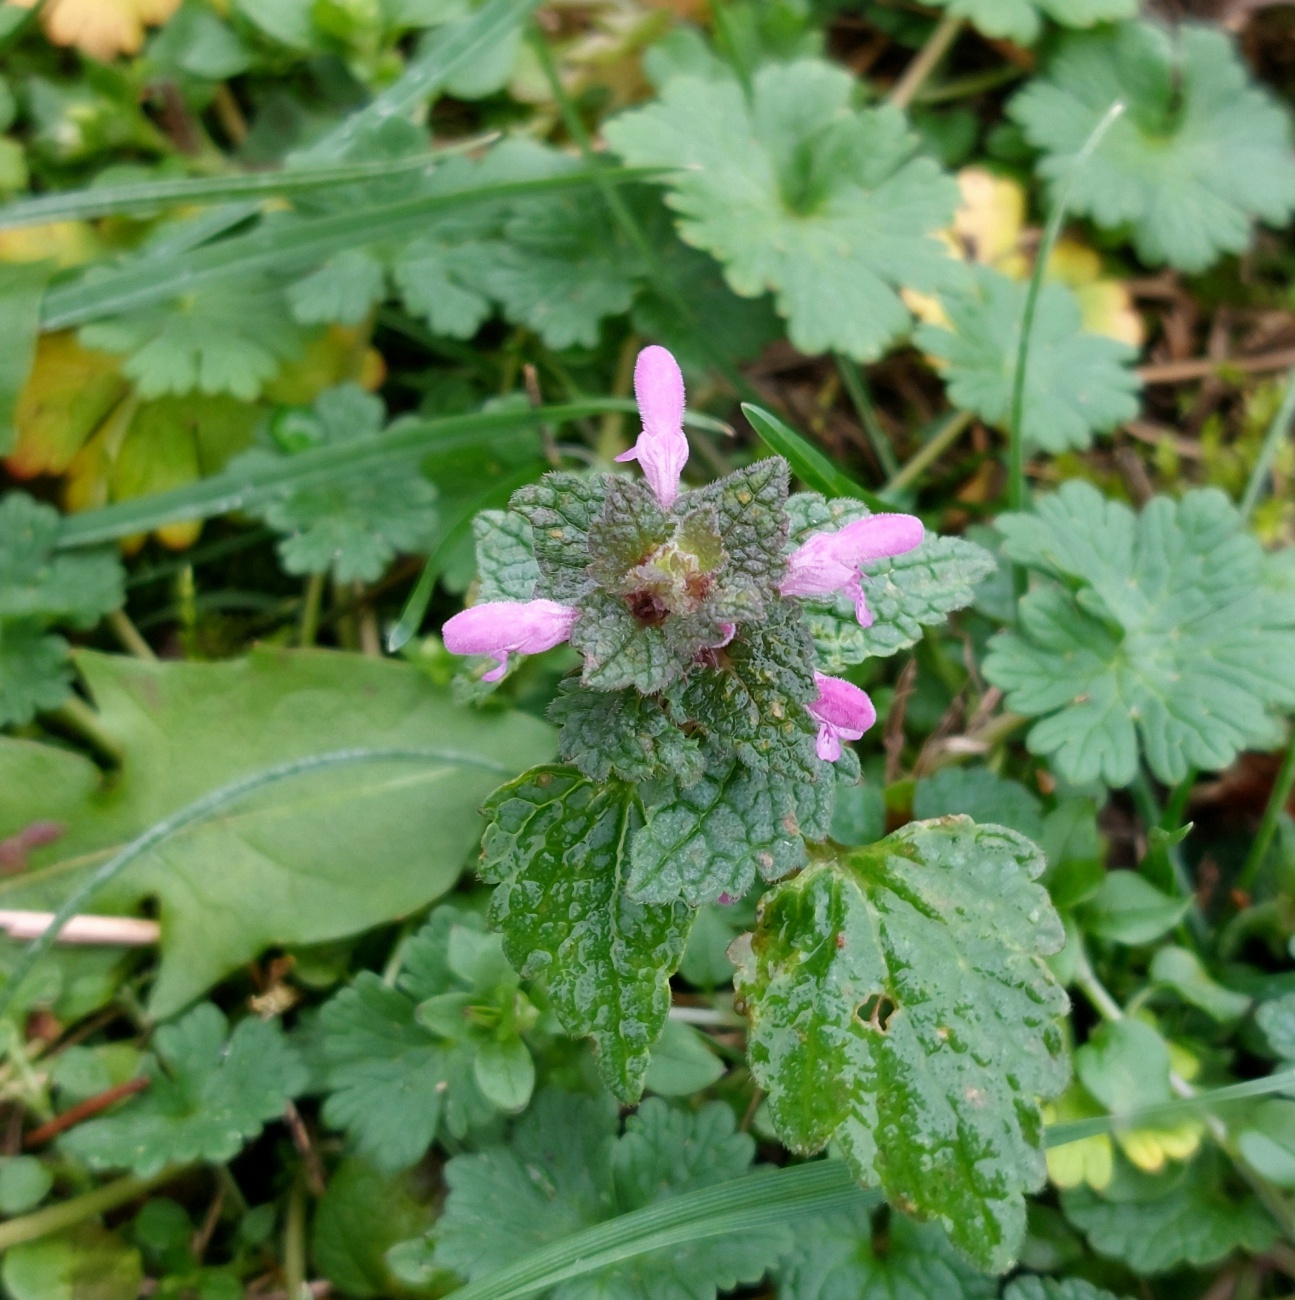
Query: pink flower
{"points": [[662, 448], [500, 628], [843, 712], [830, 562]]}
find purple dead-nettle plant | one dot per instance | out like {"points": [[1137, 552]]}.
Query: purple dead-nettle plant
{"points": [[699, 673]]}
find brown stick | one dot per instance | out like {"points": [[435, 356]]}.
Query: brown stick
{"points": [[1177, 372], [84, 1110]]}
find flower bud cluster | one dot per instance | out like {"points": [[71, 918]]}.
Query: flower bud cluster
{"points": [[685, 600]]}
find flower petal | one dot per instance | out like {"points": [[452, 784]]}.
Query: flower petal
{"points": [[502, 627], [662, 447]]}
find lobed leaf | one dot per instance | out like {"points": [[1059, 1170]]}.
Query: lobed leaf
{"points": [[900, 1005]]}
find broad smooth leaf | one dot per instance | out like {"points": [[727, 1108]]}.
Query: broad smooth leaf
{"points": [[557, 848], [900, 1004], [87, 1263], [1022, 21], [1168, 632], [328, 855]]}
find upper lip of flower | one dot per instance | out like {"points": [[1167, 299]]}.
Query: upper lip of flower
{"points": [[662, 447]]}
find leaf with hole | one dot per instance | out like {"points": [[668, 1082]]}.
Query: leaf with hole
{"points": [[900, 1005]]}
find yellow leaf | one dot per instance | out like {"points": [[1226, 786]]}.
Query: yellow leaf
{"points": [[332, 356], [101, 28], [66, 243], [990, 218], [67, 396]]}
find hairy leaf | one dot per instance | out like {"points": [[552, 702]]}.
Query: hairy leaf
{"points": [[1198, 155], [566, 1169], [505, 556], [210, 1092], [395, 1079], [1076, 383], [900, 1004], [708, 839], [838, 1256], [557, 846], [1164, 632], [1196, 1214], [905, 594], [797, 193], [355, 526]]}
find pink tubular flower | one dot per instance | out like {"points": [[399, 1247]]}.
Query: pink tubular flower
{"points": [[830, 562], [503, 627], [842, 711], [662, 448]]}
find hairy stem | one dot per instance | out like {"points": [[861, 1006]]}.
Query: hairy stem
{"points": [[927, 455]]}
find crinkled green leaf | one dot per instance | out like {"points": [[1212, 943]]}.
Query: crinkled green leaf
{"points": [[1199, 154], [560, 509], [352, 527], [751, 504], [798, 193], [709, 838], [1076, 383], [1171, 636], [220, 339], [900, 1004], [505, 556], [210, 1092], [396, 1081], [623, 734], [982, 795], [841, 1256], [557, 846], [566, 1169], [905, 594], [1195, 1214]]}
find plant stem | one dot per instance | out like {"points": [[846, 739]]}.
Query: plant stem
{"points": [[928, 57], [76, 716], [294, 1240], [54, 1218], [310, 607], [1149, 810], [1277, 430], [130, 637], [1277, 800], [928, 454], [1016, 494], [857, 386]]}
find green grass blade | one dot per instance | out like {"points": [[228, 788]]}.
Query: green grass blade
{"points": [[458, 44], [806, 461], [767, 1196], [1169, 1112], [147, 196], [279, 248], [235, 489]]}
